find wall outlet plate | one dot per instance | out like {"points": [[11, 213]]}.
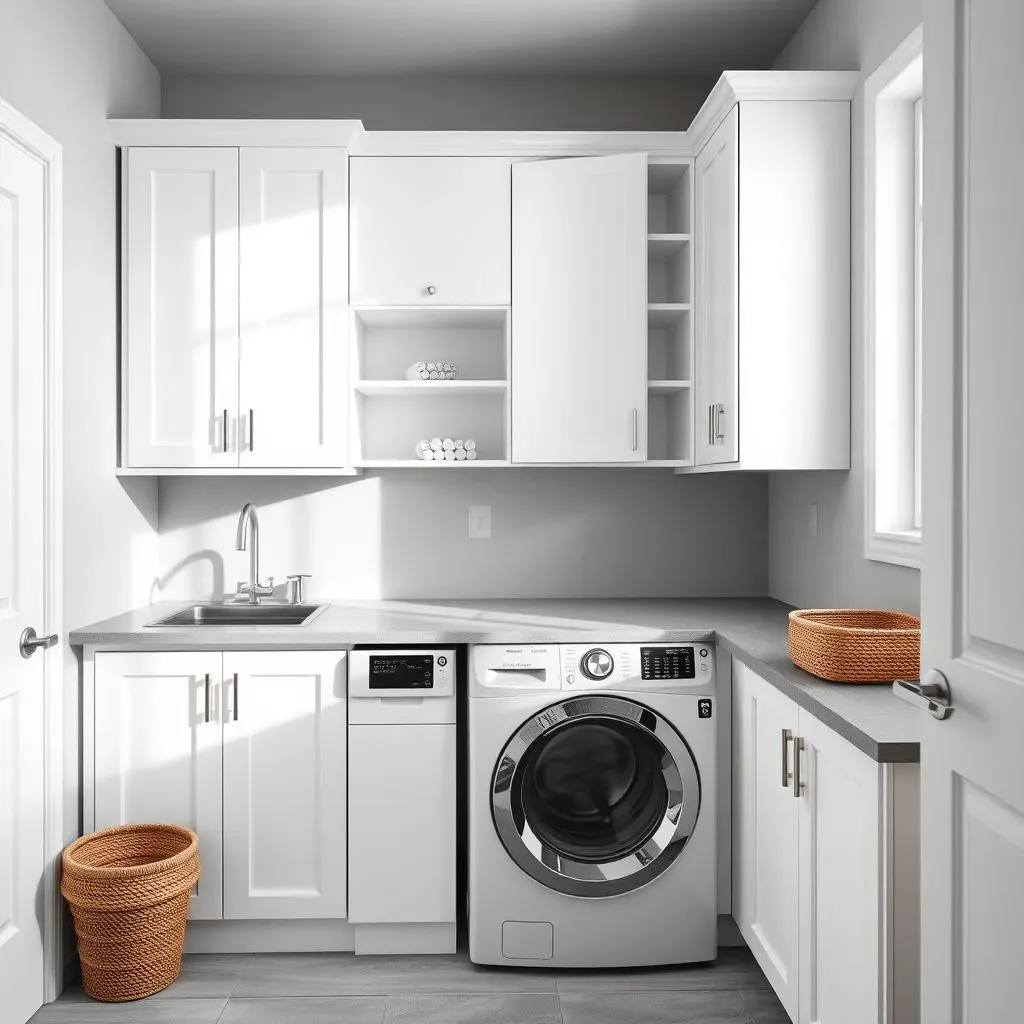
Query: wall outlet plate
{"points": [[479, 522]]}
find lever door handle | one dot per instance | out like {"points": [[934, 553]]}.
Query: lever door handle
{"points": [[29, 643], [931, 694]]}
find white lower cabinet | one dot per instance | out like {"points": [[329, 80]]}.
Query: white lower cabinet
{"points": [[825, 843], [248, 749]]}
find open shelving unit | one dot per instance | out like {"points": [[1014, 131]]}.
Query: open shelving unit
{"points": [[390, 412], [669, 311]]}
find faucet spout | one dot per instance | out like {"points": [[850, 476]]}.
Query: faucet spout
{"points": [[248, 536]]}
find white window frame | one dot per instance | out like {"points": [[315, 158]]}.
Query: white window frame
{"points": [[892, 330]]}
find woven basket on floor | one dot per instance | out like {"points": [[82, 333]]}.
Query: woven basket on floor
{"points": [[128, 888], [847, 645]]}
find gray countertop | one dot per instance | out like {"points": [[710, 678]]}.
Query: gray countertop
{"points": [[753, 630]]}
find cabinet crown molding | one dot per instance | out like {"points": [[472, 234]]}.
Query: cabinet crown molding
{"points": [[156, 131]]}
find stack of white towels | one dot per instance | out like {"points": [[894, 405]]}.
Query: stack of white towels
{"points": [[432, 371], [446, 450]]}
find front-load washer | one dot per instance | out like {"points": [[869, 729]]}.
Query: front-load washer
{"points": [[592, 805]]}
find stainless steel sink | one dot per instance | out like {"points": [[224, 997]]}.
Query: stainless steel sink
{"points": [[242, 615]]}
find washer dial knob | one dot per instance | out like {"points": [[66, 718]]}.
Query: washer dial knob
{"points": [[597, 664]]}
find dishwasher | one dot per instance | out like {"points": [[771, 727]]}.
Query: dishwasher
{"points": [[402, 800]]}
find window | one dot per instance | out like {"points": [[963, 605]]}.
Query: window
{"points": [[894, 226]]}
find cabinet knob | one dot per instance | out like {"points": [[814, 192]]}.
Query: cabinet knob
{"points": [[431, 290]]}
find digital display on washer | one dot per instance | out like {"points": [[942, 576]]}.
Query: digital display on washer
{"points": [[401, 671], [667, 663]]}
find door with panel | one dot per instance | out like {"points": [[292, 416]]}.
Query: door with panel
{"points": [[716, 198], [292, 371], [579, 327], [766, 844], [431, 231], [24, 558], [285, 808], [180, 282], [972, 629], [158, 752], [840, 859]]}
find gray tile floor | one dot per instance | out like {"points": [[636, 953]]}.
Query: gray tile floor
{"points": [[340, 988]]}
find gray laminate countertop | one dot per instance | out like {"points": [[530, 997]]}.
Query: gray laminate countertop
{"points": [[753, 630]]}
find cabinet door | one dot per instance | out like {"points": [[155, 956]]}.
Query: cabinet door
{"points": [[284, 784], [293, 326], [388, 803], [765, 831], [841, 869], [579, 324], [431, 231], [180, 281], [158, 752], [717, 296]]}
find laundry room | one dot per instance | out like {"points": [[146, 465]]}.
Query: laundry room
{"points": [[490, 529]]}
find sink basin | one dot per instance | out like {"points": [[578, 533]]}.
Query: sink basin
{"points": [[242, 615]]}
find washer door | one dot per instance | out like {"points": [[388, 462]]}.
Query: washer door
{"points": [[595, 796]]}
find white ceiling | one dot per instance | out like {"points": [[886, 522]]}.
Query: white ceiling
{"points": [[360, 37]]}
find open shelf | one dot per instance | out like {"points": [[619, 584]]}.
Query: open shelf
{"points": [[666, 387], [668, 277], [417, 388], [419, 463], [661, 314], [668, 195], [664, 246], [669, 426]]}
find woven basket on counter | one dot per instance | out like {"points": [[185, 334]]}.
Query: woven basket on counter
{"points": [[849, 645], [128, 889]]}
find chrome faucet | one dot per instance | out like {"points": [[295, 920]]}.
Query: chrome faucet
{"points": [[249, 530]]}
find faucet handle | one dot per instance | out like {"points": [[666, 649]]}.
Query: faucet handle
{"points": [[295, 586], [265, 589]]}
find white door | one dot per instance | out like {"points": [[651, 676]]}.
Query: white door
{"points": [[972, 763], [180, 281], [766, 852], [23, 557], [579, 327], [716, 198], [158, 752], [292, 386], [390, 801], [285, 784], [431, 231], [840, 858]]}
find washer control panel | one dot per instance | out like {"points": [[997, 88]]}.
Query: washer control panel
{"points": [[657, 666]]}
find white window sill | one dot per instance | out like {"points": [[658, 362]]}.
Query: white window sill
{"points": [[895, 547]]}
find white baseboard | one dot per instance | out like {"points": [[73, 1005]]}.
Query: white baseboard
{"points": [[405, 938]]}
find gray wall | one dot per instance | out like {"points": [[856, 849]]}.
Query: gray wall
{"points": [[582, 532], [448, 103], [68, 65], [831, 570]]}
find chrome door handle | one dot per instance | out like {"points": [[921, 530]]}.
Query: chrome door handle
{"points": [[787, 774], [635, 431], [29, 643], [798, 782], [932, 694]]}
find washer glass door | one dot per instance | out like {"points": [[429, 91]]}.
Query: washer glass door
{"points": [[595, 796]]}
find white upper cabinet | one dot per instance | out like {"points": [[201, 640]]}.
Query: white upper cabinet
{"points": [[431, 231], [579, 323], [772, 304], [180, 286], [292, 370], [717, 281]]}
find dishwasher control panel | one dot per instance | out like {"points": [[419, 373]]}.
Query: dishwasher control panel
{"points": [[386, 674]]}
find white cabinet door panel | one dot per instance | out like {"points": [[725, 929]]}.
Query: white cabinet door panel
{"points": [[293, 387], [422, 223], [717, 295], [841, 870], [180, 278], [396, 810], [579, 324], [765, 832], [285, 784], [158, 752]]}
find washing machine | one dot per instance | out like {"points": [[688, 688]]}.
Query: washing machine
{"points": [[592, 789]]}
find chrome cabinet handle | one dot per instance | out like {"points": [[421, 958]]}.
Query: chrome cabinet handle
{"points": [[29, 642], [224, 431], [787, 774], [718, 434], [932, 694], [798, 783], [207, 708], [252, 431], [636, 428], [234, 701]]}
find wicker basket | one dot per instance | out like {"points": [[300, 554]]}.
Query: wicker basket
{"points": [[128, 889], [847, 645]]}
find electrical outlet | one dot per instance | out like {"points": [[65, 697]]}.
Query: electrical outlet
{"points": [[812, 522], [479, 522]]}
